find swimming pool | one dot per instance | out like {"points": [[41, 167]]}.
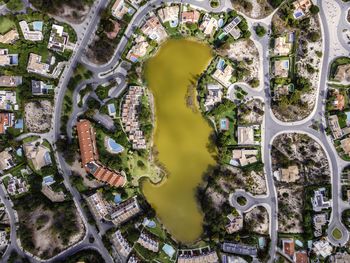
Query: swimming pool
{"points": [[114, 147], [38, 25]]}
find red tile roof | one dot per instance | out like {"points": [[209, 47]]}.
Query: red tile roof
{"points": [[301, 257]]}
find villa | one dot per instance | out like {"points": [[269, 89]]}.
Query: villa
{"points": [[116, 29], [213, 97], [6, 160], [154, 29], [283, 45], [235, 223], [16, 186], [319, 201], [36, 66], [125, 210], [223, 75], [10, 37], [203, 255], [288, 247], [243, 157], [245, 135], [281, 68], [119, 9], [58, 39], [345, 145], [343, 73], [169, 14], [39, 155], [7, 59], [40, 88], [98, 205], [8, 100], [301, 7], [7, 120], [334, 126], [322, 248], [35, 35], [209, 25], [319, 221], [232, 29], [10, 81], [190, 17], [138, 50]]}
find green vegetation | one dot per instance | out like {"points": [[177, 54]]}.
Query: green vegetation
{"points": [[214, 3], [87, 256], [15, 5], [346, 218], [241, 200], [337, 62], [54, 6], [260, 30], [6, 24], [336, 233]]}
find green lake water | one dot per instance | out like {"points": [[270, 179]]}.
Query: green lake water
{"points": [[181, 136]]}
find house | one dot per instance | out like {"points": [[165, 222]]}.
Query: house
{"points": [[58, 39], [209, 25], [301, 7], [245, 135], [138, 50], [322, 248], [121, 244], [149, 243], [283, 45], [40, 88], [154, 29], [343, 73], [36, 66], [301, 257], [339, 100], [53, 196], [319, 201], [125, 210], [8, 100], [235, 223], [288, 247], [290, 174], [10, 81], [116, 29], [232, 29], [345, 145], [7, 59], [169, 14], [6, 160], [239, 249], [38, 154], [281, 68], [333, 123], [190, 17], [7, 120], [243, 157], [17, 185], [119, 9], [10, 37], [32, 35], [223, 75], [319, 221], [213, 97]]}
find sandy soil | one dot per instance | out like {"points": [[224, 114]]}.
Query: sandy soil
{"points": [[38, 115], [258, 219]]}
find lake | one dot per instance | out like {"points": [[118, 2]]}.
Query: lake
{"points": [[181, 136]]}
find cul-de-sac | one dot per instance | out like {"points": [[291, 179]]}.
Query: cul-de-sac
{"points": [[163, 131]]}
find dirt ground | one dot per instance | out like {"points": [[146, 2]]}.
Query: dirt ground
{"points": [[251, 112], [258, 219], [253, 8], [38, 115]]}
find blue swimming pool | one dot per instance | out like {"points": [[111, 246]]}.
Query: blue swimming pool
{"points": [[38, 25], [114, 147]]}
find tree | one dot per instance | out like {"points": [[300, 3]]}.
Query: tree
{"points": [[314, 36], [260, 30], [15, 5], [314, 9]]}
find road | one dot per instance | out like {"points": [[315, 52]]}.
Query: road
{"points": [[331, 15]]}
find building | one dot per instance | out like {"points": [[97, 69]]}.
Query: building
{"points": [[119, 9], [343, 73], [32, 35], [121, 244], [190, 17], [17, 186], [125, 210], [148, 242], [58, 39], [3, 239], [345, 145], [169, 14], [301, 257], [98, 205], [340, 258], [213, 97], [339, 100], [154, 29], [203, 255], [52, 195], [38, 154], [243, 157], [281, 68], [223, 75], [116, 29], [36, 66], [10, 37], [290, 174], [239, 249], [7, 120], [319, 201], [333, 123], [10, 81], [319, 221], [301, 7], [288, 247], [90, 157], [245, 135], [8, 100], [235, 223], [283, 45], [138, 50], [7, 59], [209, 25], [6, 160], [322, 248], [40, 88], [232, 29]]}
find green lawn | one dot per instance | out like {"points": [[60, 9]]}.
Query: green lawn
{"points": [[6, 24], [336, 233]]}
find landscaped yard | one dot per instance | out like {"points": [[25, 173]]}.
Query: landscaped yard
{"points": [[337, 234], [6, 24]]}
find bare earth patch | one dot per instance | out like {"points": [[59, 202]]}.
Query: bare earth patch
{"points": [[253, 8], [38, 115], [258, 220]]}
